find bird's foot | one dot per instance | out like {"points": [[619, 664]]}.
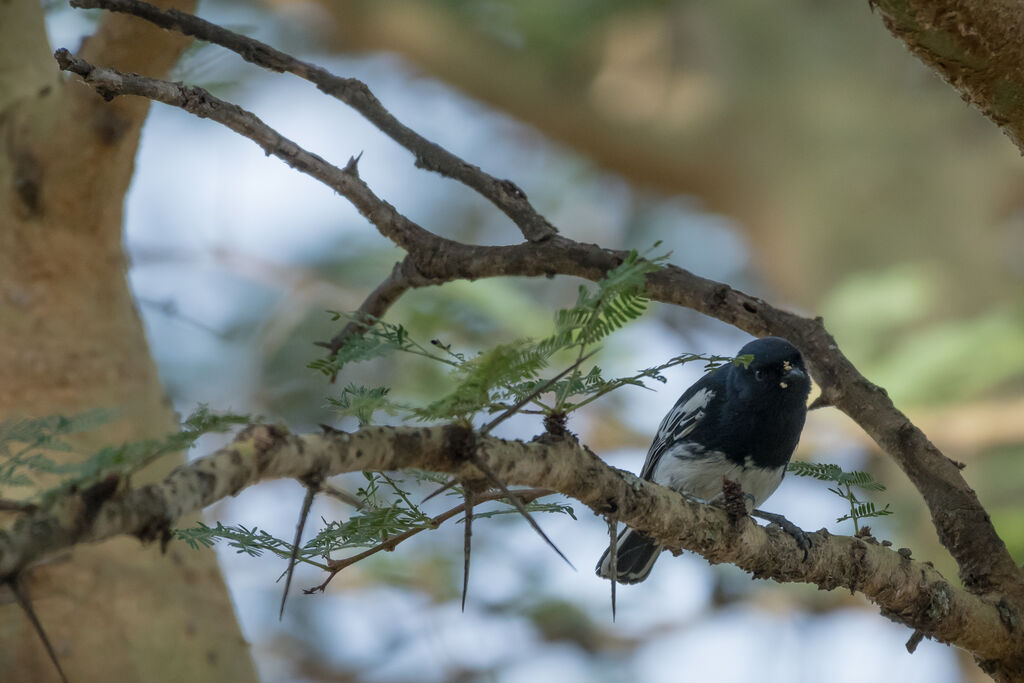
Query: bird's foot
{"points": [[803, 541]]}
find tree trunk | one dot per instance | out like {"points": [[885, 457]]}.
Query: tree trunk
{"points": [[71, 340]]}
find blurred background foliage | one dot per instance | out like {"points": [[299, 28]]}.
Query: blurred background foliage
{"points": [[792, 149]]}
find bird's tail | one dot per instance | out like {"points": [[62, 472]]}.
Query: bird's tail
{"points": [[635, 555]]}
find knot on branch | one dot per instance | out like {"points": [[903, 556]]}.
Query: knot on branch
{"points": [[735, 502], [459, 442], [555, 428], [265, 440], [96, 495]]}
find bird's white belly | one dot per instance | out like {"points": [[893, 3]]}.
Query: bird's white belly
{"points": [[700, 476]]}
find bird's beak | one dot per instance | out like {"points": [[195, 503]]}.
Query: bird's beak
{"points": [[792, 373]]}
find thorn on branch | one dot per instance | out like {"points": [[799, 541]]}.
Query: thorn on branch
{"points": [[489, 473], [450, 483], [352, 167], [21, 595], [915, 639], [466, 541], [389, 544], [613, 554], [512, 189], [312, 488]]}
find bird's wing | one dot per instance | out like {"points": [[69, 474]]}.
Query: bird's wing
{"points": [[684, 417]]}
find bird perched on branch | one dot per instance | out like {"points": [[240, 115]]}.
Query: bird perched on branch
{"points": [[738, 422]]}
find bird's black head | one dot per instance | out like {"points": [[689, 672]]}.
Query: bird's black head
{"points": [[777, 371]]}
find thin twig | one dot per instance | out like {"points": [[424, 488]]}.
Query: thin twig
{"points": [[504, 194], [444, 487], [335, 566], [376, 304], [110, 83], [342, 495]]}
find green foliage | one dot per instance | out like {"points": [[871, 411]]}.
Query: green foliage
{"points": [[480, 380], [252, 542], [511, 373], [380, 339], [845, 483], [363, 402], [25, 446], [22, 440], [506, 377], [387, 510]]}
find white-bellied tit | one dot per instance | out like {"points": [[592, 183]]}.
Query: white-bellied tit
{"points": [[741, 423]]}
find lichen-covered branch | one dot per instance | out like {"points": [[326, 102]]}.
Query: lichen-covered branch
{"points": [[906, 590]]}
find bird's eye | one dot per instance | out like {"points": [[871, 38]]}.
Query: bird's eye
{"points": [[758, 375]]}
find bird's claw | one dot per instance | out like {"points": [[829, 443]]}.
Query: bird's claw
{"points": [[803, 541]]}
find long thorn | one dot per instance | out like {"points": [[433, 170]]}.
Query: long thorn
{"points": [[489, 473], [335, 566], [468, 534], [26, 605], [613, 557], [307, 503], [451, 483]]}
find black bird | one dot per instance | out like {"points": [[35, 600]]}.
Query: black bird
{"points": [[742, 423]]}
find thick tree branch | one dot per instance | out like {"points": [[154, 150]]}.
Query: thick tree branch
{"points": [[963, 526], [906, 590], [977, 47], [504, 194]]}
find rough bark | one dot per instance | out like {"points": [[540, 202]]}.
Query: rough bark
{"points": [[977, 47], [71, 340], [906, 590]]}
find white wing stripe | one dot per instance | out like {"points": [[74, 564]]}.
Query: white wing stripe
{"points": [[686, 415]]}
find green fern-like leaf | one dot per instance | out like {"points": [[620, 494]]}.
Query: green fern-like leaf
{"points": [[820, 471], [380, 339], [362, 402], [865, 511], [482, 380], [617, 300]]}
